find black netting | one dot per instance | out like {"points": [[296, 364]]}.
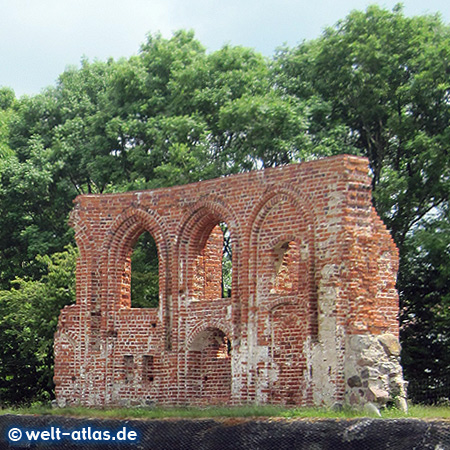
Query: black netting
{"points": [[430, 390], [235, 434]]}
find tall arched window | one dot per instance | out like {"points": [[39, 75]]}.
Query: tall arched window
{"points": [[227, 268], [213, 265], [145, 273]]}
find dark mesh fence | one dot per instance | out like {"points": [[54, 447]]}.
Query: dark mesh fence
{"points": [[230, 434], [430, 391]]}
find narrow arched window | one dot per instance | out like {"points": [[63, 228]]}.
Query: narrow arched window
{"points": [[213, 265], [145, 273], [227, 267]]}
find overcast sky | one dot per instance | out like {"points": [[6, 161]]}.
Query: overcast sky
{"points": [[40, 38]]}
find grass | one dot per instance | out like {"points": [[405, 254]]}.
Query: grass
{"points": [[415, 411]]}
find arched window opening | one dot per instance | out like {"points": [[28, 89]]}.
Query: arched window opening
{"points": [[145, 273], [213, 268], [227, 268]]}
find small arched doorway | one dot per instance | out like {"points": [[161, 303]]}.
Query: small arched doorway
{"points": [[209, 368]]}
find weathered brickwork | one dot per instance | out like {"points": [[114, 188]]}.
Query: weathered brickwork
{"points": [[312, 316]]}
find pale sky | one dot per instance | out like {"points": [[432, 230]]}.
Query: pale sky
{"points": [[40, 38]]}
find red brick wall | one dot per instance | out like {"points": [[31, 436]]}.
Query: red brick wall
{"points": [[288, 335], [311, 260]]}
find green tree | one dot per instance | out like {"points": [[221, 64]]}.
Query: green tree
{"points": [[28, 317], [146, 125], [145, 273], [31, 223], [264, 130], [234, 80], [185, 115], [60, 149], [85, 152], [424, 282], [7, 101]]}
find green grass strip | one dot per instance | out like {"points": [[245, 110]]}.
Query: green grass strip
{"points": [[415, 411]]}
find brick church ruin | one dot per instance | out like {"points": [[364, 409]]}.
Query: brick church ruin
{"points": [[312, 314]]}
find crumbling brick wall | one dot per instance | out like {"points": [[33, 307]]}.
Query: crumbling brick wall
{"points": [[312, 316]]}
